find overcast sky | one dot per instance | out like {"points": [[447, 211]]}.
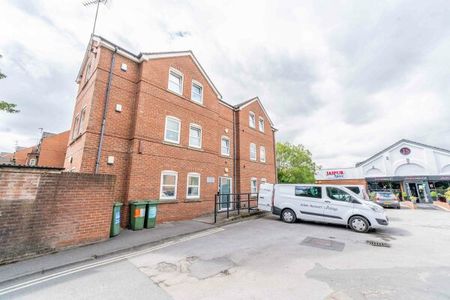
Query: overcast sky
{"points": [[343, 78]]}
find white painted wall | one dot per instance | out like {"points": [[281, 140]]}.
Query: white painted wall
{"points": [[420, 161]]}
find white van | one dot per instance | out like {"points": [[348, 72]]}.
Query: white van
{"points": [[321, 203]]}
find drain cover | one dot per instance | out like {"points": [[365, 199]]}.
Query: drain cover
{"points": [[323, 244], [378, 244]]}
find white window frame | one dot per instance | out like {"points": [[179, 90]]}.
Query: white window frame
{"points": [[193, 174], [255, 191], [262, 158], [250, 115], [176, 73], [88, 70], [75, 127], [261, 124], [194, 82], [223, 137], [263, 180], [81, 120], [161, 185], [253, 146], [32, 162], [201, 135], [179, 129]]}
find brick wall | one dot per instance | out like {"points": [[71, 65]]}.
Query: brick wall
{"points": [[52, 150], [135, 135], [248, 168], [43, 210], [21, 156]]}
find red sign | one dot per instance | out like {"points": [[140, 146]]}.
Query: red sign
{"points": [[405, 151], [336, 173]]}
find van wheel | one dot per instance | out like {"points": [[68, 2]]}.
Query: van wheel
{"points": [[288, 216], [359, 224]]}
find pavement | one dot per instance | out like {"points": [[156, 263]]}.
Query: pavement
{"points": [[127, 240], [267, 259]]}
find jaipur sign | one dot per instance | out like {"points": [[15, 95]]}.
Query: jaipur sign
{"points": [[336, 173]]}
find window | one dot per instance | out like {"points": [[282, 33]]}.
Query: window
{"points": [[253, 187], [308, 191], [261, 124], [81, 124], [195, 136], [354, 189], [263, 180], [197, 92], [32, 162], [172, 132], [175, 81], [251, 119], [252, 151], [88, 70], [193, 186], [75, 127], [168, 185], [338, 194], [262, 154], [225, 146]]}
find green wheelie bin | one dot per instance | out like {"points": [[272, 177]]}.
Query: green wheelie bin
{"points": [[115, 221], [137, 214], [150, 215]]}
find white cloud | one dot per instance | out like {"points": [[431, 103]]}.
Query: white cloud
{"points": [[345, 79]]}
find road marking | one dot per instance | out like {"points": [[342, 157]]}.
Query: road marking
{"points": [[29, 283]]}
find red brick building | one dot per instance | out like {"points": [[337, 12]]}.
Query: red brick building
{"points": [[157, 122], [50, 152]]}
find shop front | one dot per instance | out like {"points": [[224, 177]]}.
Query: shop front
{"points": [[406, 168]]}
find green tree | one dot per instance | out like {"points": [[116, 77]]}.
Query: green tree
{"points": [[294, 164], [5, 106]]}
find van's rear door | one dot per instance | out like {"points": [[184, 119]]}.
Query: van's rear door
{"points": [[265, 197]]}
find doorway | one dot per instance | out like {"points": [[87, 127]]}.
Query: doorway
{"points": [[226, 199], [417, 189], [421, 192]]}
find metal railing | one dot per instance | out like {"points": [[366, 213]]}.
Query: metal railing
{"points": [[226, 203]]}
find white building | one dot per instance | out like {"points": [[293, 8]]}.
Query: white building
{"points": [[405, 166]]}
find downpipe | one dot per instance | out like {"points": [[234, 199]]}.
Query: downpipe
{"points": [[105, 110]]}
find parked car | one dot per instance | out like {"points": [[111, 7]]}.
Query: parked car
{"points": [[321, 203], [386, 199]]}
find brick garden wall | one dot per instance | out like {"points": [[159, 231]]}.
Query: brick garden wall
{"points": [[42, 211]]}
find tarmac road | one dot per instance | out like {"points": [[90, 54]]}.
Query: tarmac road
{"points": [[268, 259]]}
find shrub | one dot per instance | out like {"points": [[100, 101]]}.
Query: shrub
{"points": [[447, 195], [404, 196], [433, 195]]}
